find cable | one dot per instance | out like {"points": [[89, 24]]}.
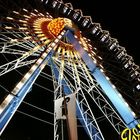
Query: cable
{"points": [[29, 103], [38, 108], [36, 118]]}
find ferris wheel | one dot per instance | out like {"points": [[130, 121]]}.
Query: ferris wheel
{"points": [[84, 63]]}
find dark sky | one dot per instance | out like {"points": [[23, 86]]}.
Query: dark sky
{"points": [[119, 17], [121, 20]]}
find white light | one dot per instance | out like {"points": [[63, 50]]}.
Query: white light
{"points": [[25, 10], [33, 14], [22, 28], [19, 85], [13, 40], [101, 70], [59, 37], [138, 87], [24, 21], [44, 55], [89, 45], [100, 57], [95, 61], [101, 66], [113, 86], [8, 27], [53, 44], [93, 52], [39, 60], [15, 12], [62, 33], [107, 78], [27, 37], [35, 10], [120, 95], [5, 102], [133, 113], [28, 75], [126, 104], [89, 54], [56, 40], [26, 16], [94, 31], [9, 18], [34, 67]]}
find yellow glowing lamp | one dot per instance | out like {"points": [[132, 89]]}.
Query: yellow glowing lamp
{"points": [[58, 24]]}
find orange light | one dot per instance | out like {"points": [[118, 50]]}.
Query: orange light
{"points": [[57, 25]]}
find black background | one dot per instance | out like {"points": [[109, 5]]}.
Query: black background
{"points": [[121, 19]]}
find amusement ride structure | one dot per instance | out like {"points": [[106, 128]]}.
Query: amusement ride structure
{"points": [[88, 68]]}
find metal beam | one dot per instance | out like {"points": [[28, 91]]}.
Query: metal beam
{"points": [[112, 94]]}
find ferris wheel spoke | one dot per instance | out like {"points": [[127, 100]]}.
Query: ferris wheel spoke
{"points": [[14, 65], [97, 96], [86, 113], [18, 62], [89, 124], [11, 51]]}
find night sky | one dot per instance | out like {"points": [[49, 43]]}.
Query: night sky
{"points": [[121, 20]]}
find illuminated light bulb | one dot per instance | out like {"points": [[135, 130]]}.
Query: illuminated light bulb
{"points": [[133, 113], [101, 70], [43, 38], [100, 57], [10, 18], [113, 86], [25, 25], [35, 10], [53, 44], [59, 37], [8, 27], [34, 67], [38, 32], [93, 52], [89, 45], [22, 28], [27, 75], [33, 42], [24, 21], [25, 10], [26, 16], [8, 98], [89, 54], [16, 12], [126, 104], [27, 37], [56, 40], [19, 85], [41, 14], [94, 61], [107, 78], [13, 40], [101, 66], [33, 14], [44, 55], [40, 35], [39, 60], [27, 32], [120, 95]]}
